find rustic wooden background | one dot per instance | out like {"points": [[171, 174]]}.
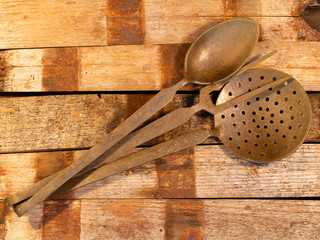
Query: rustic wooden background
{"points": [[72, 70]]}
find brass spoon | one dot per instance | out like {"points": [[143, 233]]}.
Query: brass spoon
{"points": [[208, 60]]}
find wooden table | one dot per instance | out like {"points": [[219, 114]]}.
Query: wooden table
{"points": [[71, 71]]}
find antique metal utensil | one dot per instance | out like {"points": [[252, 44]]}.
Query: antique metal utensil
{"points": [[206, 56], [120, 149], [171, 121], [311, 15], [290, 87]]}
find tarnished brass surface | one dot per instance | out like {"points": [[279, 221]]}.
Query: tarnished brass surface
{"points": [[269, 126], [311, 16], [221, 50]]}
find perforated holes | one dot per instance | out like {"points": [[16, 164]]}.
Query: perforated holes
{"points": [[295, 137], [267, 99], [230, 94], [223, 116], [266, 144], [256, 144], [235, 106], [270, 89], [276, 130], [275, 152], [249, 90], [292, 117], [291, 107], [262, 77], [276, 103], [244, 122], [265, 126], [243, 112], [232, 115], [274, 78], [260, 108], [290, 127], [294, 92], [248, 103], [286, 146], [239, 85], [267, 109], [253, 120], [275, 142], [258, 126], [262, 117], [249, 131], [286, 99], [284, 136], [278, 92], [257, 99], [258, 136], [281, 121], [250, 152], [281, 111], [262, 154], [271, 121], [239, 133], [230, 138], [268, 135], [246, 140], [272, 115], [250, 79], [253, 113], [234, 124], [238, 147]]}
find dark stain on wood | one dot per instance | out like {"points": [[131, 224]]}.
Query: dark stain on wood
{"points": [[172, 63], [314, 133], [3, 210], [60, 69], [311, 16], [5, 68], [48, 164], [176, 175], [125, 22], [230, 8], [135, 101], [61, 219], [184, 219]]}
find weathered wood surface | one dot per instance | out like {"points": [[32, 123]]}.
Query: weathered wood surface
{"points": [[134, 67], [198, 172], [166, 219], [31, 24], [135, 45], [79, 121]]}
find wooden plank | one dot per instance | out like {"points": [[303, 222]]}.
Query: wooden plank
{"points": [[122, 219], [261, 219], [79, 121], [30, 24], [168, 219], [213, 173], [27, 227], [134, 68]]}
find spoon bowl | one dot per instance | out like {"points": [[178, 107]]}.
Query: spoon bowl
{"points": [[221, 51]]}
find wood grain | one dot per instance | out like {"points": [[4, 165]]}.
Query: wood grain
{"points": [[134, 67], [32, 24], [79, 121], [145, 219], [217, 173]]}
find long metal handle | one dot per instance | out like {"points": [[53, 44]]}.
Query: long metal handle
{"points": [[160, 150]]}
